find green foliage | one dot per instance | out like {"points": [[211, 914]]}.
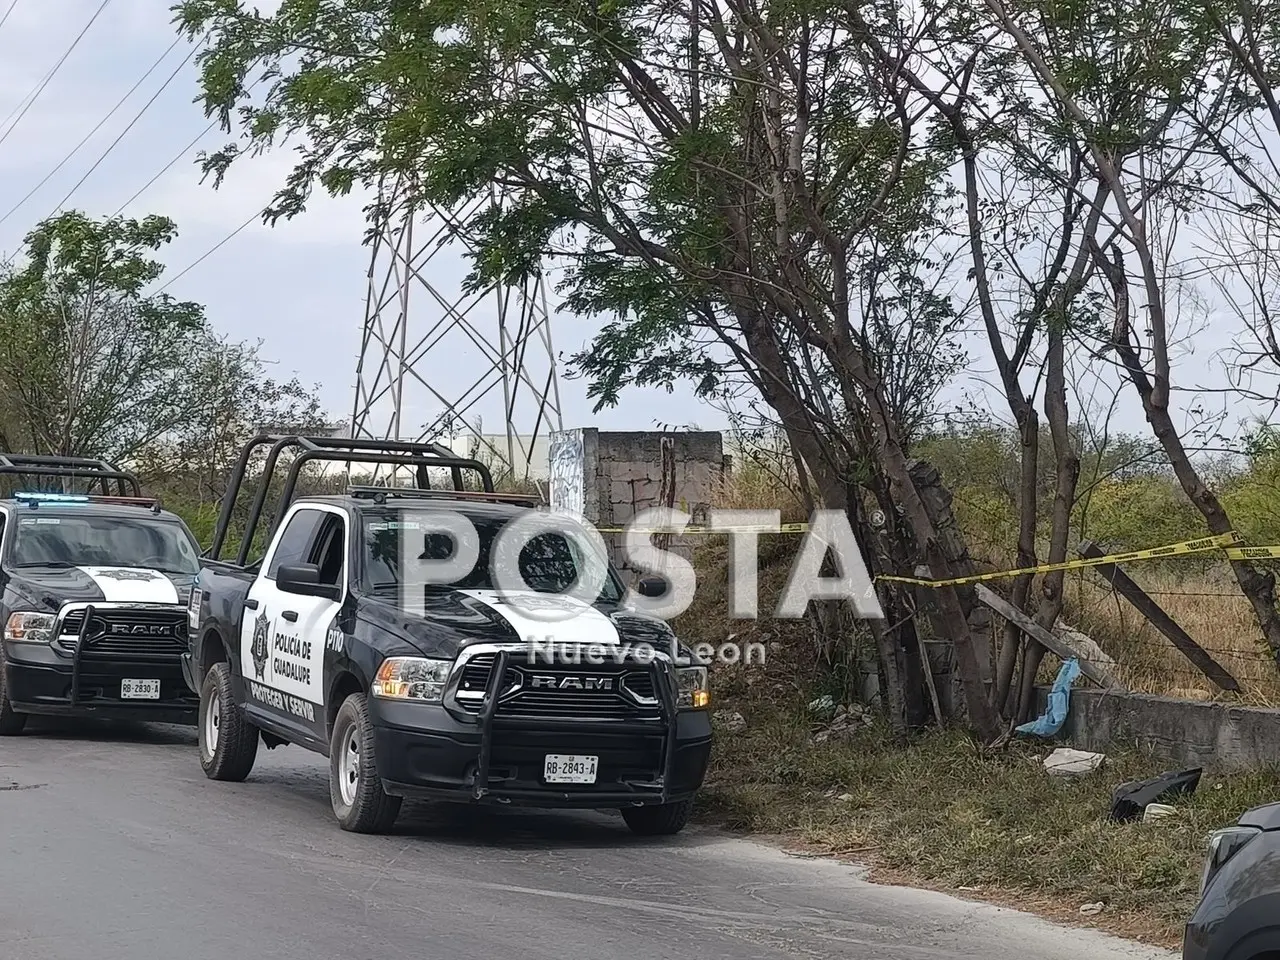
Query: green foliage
{"points": [[90, 363], [714, 252], [239, 399], [1128, 498]]}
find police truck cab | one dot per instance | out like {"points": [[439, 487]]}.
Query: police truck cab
{"points": [[93, 593], [312, 645]]}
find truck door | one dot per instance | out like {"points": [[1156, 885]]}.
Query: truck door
{"points": [[282, 635]]}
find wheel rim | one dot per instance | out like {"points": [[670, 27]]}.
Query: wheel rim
{"points": [[212, 725], [349, 767]]}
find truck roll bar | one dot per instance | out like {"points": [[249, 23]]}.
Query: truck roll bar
{"points": [[103, 473], [398, 453]]}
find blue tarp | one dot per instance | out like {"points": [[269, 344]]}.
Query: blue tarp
{"points": [[1055, 713]]}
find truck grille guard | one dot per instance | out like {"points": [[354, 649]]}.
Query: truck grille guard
{"points": [[82, 634], [75, 656], [661, 670]]}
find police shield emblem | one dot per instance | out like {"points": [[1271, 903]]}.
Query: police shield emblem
{"points": [[260, 650]]}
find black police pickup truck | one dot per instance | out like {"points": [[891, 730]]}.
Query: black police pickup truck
{"points": [[313, 646], [94, 592], [1238, 916]]}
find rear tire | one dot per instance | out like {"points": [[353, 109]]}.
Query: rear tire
{"points": [[355, 789], [11, 722], [659, 820], [228, 741]]}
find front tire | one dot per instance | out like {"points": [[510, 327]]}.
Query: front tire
{"points": [[659, 820], [228, 741], [355, 789], [11, 721]]}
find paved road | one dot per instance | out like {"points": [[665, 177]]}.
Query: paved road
{"points": [[114, 846]]}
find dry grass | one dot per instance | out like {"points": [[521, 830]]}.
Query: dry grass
{"points": [[1207, 605], [1200, 594], [940, 813], [762, 489]]}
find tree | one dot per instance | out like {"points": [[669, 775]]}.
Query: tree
{"points": [[1148, 140], [738, 185], [90, 364], [237, 401]]}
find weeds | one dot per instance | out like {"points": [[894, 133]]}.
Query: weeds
{"points": [[941, 812]]}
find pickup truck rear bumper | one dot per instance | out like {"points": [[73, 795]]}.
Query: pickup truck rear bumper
{"points": [[39, 680], [424, 751]]}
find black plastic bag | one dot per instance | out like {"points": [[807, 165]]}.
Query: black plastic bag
{"points": [[1130, 799]]}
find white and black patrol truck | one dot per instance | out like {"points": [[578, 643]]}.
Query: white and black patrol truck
{"points": [[312, 645], [93, 596]]}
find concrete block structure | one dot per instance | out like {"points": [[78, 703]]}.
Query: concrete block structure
{"points": [[609, 477]]}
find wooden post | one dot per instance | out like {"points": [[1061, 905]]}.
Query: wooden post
{"points": [[1159, 619], [1046, 638]]}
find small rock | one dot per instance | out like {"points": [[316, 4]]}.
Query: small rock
{"points": [[730, 720], [1092, 909], [1157, 811], [845, 797], [1065, 762], [823, 705]]}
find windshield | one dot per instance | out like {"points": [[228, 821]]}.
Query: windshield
{"points": [[104, 542], [549, 562]]}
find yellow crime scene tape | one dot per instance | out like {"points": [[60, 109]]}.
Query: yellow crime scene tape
{"points": [[1224, 542], [1252, 553], [1221, 542]]}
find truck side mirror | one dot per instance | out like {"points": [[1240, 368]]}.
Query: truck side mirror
{"points": [[651, 586], [304, 580]]}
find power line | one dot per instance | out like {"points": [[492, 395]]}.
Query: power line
{"points": [[7, 12], [136, 117], [221, 243], [88, 136], [167, 167], [39, 89], [210, 252], [176, 157]]}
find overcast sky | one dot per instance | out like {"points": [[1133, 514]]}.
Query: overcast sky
{"points": [[299, 287]]}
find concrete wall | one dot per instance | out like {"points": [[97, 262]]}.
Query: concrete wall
{"points": [[622, 475], [629, 472], [1187, 733]]}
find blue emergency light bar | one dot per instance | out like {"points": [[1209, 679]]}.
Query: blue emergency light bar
{"points": [[33, 499]]}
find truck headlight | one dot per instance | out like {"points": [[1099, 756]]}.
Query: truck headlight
{"points": [[411, 678], [692, 692], [30, 627], [1223, 845]]}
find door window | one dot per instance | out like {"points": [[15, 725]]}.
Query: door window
{"points": [[294, 545], [329, 550]]}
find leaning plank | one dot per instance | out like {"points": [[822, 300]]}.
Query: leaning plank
{"points": [[1046, 638], [1143, 603]]}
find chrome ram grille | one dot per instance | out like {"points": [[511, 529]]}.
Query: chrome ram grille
{"points": [[607, 691], [131, 633]]}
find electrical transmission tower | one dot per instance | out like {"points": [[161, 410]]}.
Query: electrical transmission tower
{"points": [[431, 354]]}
